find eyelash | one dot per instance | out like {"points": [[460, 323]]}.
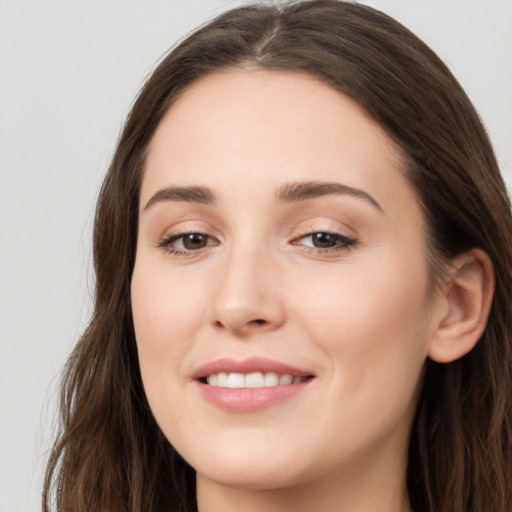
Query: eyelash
{"points": [[343, 243], [166, 243]]}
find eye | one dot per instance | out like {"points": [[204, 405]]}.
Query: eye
{"points": [[324, 241], [187, 242]]}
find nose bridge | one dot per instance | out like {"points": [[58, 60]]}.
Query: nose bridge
{"points": [[247, 296]]}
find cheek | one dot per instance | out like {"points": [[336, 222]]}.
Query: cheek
{"points": [[165, 316], [371, 322]]}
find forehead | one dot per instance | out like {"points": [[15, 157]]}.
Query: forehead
{"points": [[256, 128]]}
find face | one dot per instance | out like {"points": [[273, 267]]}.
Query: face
{"points": [[280, 294]]}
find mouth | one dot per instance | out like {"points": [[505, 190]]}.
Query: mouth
{"points": [[254, 372], [250, 385], [252, 380]]}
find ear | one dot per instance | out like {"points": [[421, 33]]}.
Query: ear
{"points": [[464, 307]]}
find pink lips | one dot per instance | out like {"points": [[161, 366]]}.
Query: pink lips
{"points": [[248, 399], [253, 364]]}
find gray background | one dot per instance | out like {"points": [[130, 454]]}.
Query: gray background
{"points": [[68, 74]]}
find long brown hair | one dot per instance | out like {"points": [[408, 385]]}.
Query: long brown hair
{"points": [[111, 455]]}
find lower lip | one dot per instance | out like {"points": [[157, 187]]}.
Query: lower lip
{"points": [[249, 399]]}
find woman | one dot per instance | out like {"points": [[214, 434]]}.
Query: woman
{"points": [[303, 282]]}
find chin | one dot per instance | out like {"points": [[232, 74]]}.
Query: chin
{"points": [[248, 467], [260, 477]]}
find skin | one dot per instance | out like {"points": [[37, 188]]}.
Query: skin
{"points": [[361, 318]]}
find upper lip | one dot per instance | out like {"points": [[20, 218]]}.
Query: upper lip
{"points": [[250, 365]]}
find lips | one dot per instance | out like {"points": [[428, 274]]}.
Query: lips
{"points": [[251, 384], [246, 366]]}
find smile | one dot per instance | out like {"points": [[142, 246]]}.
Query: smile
{"points": [[252, 380], [250, 385]]}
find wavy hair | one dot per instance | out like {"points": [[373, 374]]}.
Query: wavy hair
{"points": [[110, 454]]}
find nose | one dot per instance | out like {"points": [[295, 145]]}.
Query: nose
{"points": [[248, 295]]}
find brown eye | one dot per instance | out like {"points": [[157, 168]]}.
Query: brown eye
{"points": [[324, 240], [187, 243], [194, 241]]}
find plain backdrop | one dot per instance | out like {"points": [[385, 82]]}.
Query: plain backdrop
{"points": [[68, 74]]}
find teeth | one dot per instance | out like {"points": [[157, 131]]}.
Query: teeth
{"points": [[271, 379], [236, 380], [254, 380], [222, 380], [251, 380], [286, 379]]}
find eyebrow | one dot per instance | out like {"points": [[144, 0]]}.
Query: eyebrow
{"points": [[300, 191], [288, 193], [191, 194]]}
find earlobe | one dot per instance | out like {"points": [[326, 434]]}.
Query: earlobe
{"points": [[467, 300]]}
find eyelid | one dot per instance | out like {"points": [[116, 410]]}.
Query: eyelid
{"points": [[335, 234], [166, 244], [180, 231], [344, 242], [186, 227], [330, 220]]}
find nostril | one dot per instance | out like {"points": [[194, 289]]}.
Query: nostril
{"points": [[252, 323]]}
